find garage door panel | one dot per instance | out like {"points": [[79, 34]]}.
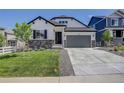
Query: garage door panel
{"points": [[78, 41]]}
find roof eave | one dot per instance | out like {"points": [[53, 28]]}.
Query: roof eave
{"points": [[80, 31], [43, 19]]}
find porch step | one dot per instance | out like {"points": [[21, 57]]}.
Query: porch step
{"points": [[57, 46]]}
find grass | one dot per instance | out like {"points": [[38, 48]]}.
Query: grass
{"points": [[28, 64], [121, 47]]}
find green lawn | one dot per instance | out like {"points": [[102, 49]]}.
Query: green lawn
{"points": [[34, 63], [121, 47]]}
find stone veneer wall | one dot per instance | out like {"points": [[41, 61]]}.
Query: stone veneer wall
{"points": [[37, 44], [93, 43]]}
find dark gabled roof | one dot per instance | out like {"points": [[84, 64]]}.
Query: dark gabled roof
{"points": [[117, 12], [79, 29], [62, 16], [39, 17], [120, 11], [67, 17], [100, 17]]}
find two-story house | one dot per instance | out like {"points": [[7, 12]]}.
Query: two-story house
{"points": [[62, 30], [113, 23]]}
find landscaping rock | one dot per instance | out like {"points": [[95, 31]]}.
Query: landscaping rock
{"points": [[108, 49], [66, 68]]}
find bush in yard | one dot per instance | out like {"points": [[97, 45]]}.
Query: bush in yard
{"points": [[2, 40], [116, 48], [106, 38], [121, 47]]}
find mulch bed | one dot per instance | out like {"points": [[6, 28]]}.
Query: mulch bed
{"points": [[66, 68]]}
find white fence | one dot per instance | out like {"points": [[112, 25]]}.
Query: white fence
{"points": [[4, 50]]}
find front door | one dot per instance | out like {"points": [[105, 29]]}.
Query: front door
{"points": [[58, 37]]}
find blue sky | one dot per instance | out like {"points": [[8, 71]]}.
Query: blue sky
{"points": [[9, 17]]}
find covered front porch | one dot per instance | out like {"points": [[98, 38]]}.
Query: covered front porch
{"points": [[58, 37], [117, 35]]}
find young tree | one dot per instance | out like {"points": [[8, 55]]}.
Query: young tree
{"points": [[106, 37], [23, 33], [2, 39]]}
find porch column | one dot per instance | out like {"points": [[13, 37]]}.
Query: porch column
{"points": [[123, 33], [111, 32]]}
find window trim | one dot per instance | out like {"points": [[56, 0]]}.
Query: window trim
{"points": [[66, 22], [63, 22], [116, 20], [38, 36], [60, 22]]}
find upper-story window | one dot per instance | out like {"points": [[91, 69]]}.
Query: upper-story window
{"points": [[114, 22], [66, 22], [63, 22], [60, 22]]}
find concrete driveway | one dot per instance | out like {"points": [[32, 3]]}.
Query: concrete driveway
{"points": [[89, 61]]}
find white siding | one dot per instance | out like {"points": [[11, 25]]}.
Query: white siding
{"points": [[9, 34], [42, 25], [11, 37], [71, 22]]}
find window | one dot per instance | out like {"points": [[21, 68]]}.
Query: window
{"points": [[114, 22], [38, 34], [11, 43], [63, 22], [32, 22], [66, 22], [60, 22]]}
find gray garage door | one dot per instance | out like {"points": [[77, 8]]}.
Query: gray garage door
{"points": [[78, 41]]}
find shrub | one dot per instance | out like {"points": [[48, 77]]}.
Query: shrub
{"points": [[106, 37], [7, 56], [116, 48], [121, 47]]}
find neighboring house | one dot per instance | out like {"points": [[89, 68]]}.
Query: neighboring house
{"points": [[63, 30], [113, 23], [10, 37], [2, 30]]}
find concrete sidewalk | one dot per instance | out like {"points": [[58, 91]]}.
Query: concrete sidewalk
{"points": [[113, 78]]}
